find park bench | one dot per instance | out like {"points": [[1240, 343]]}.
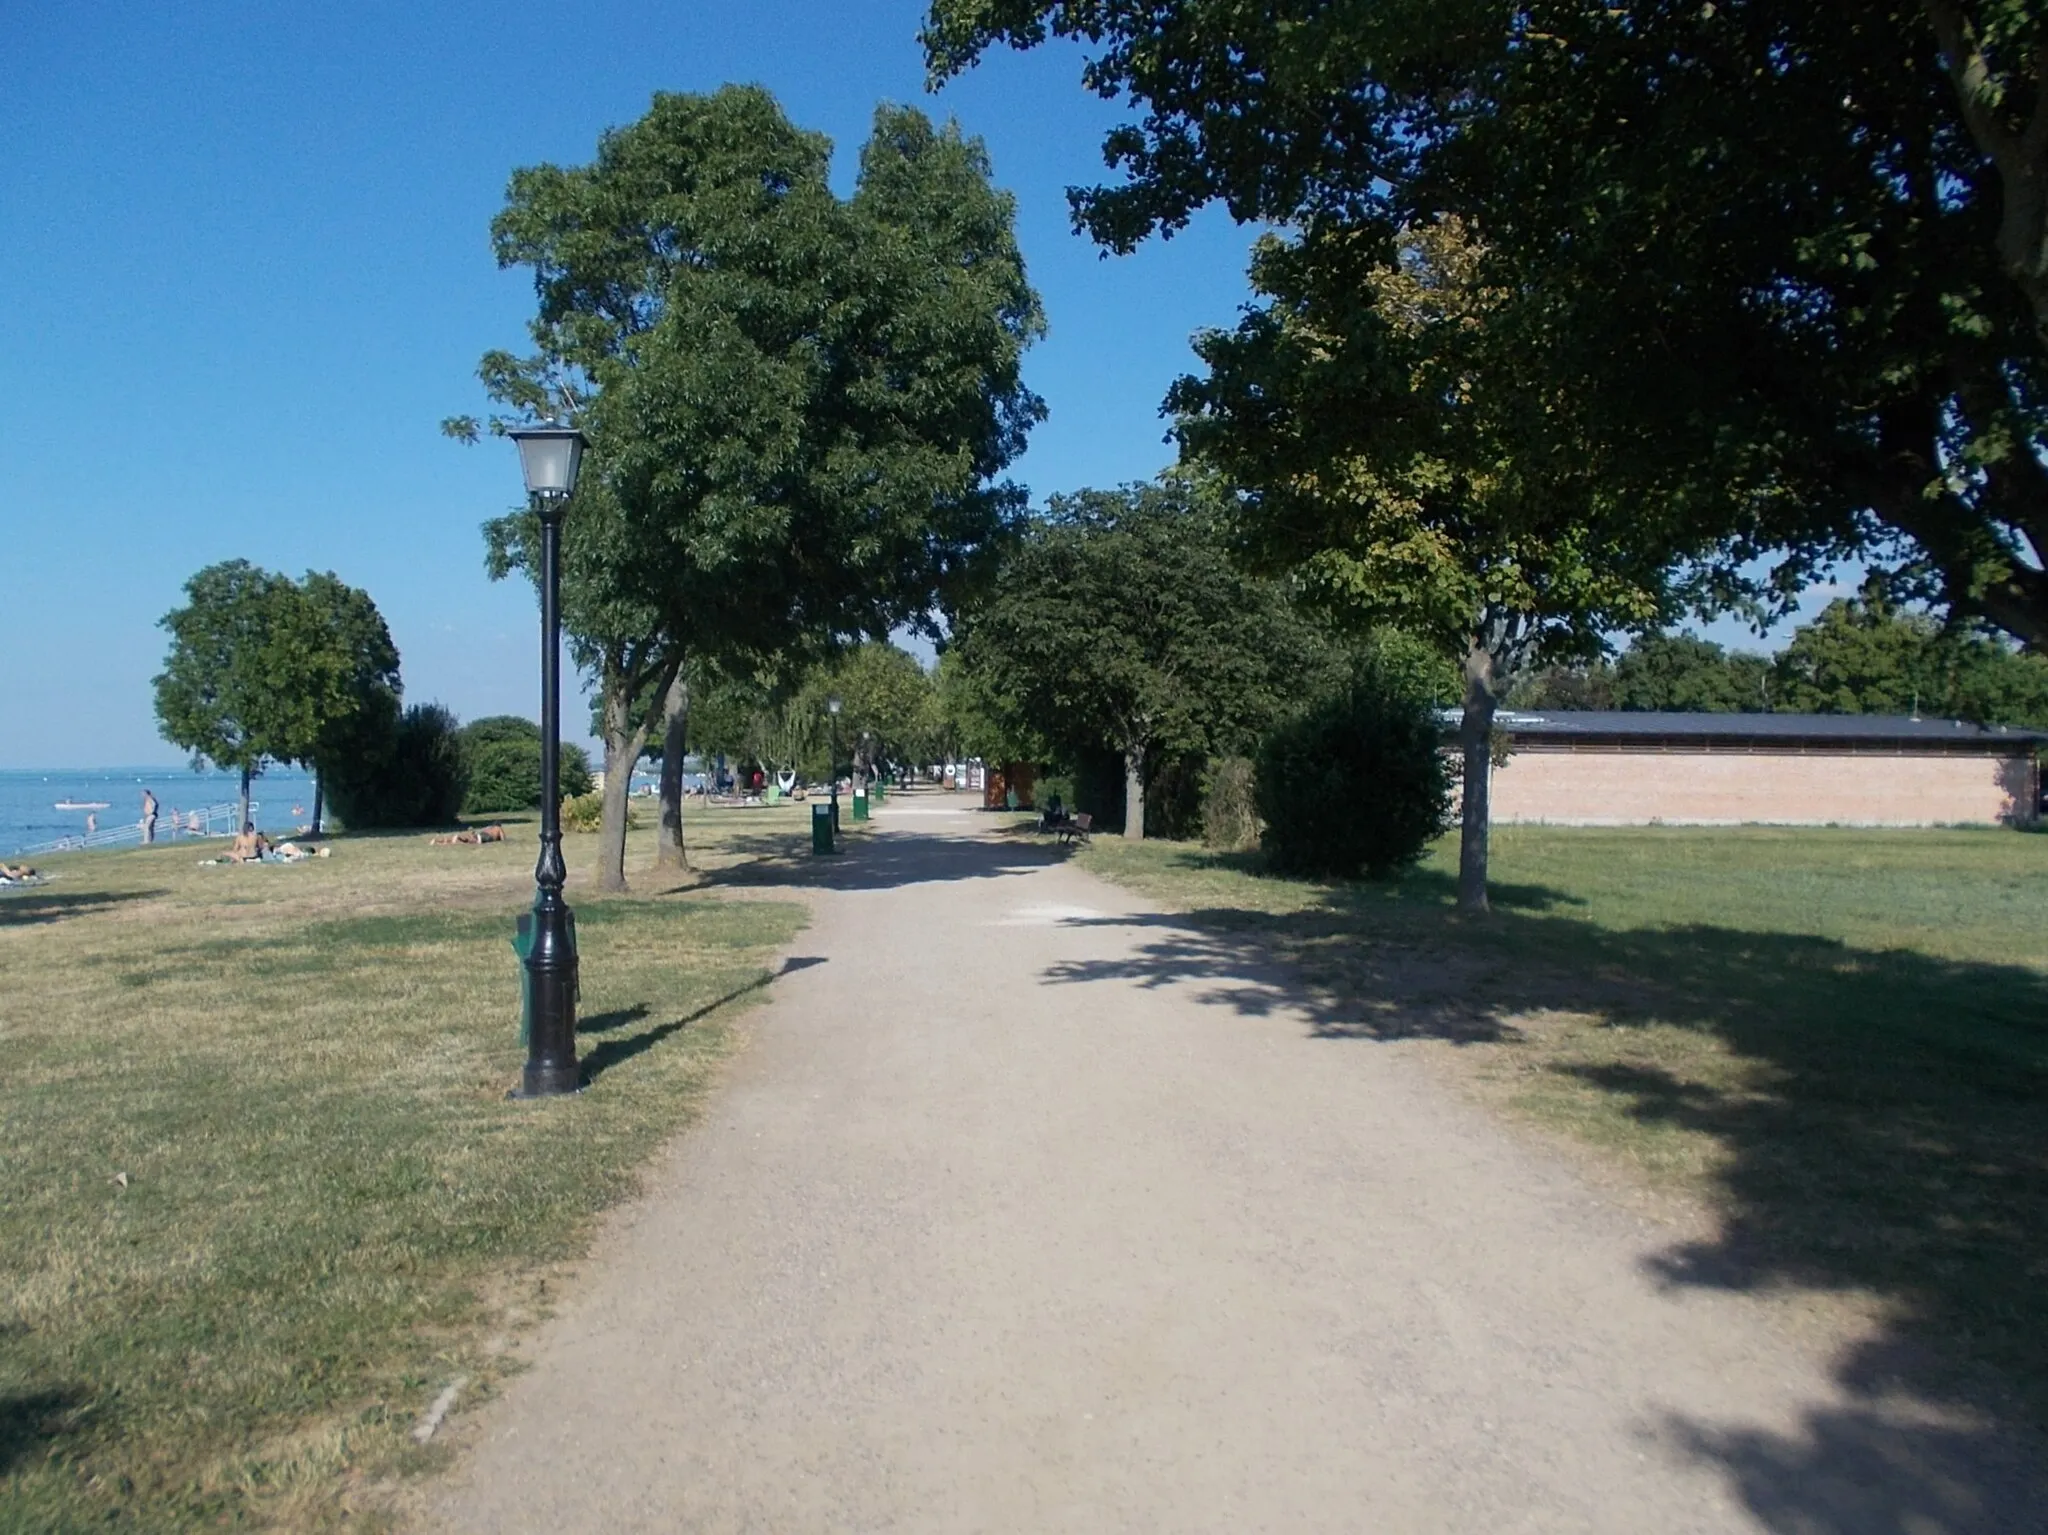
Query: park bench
{"points": [[1075, 828]]}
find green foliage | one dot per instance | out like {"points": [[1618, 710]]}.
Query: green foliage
{"points": [[265, 668], [1357, 784], [400, 770], [885, 703], [1865, 657], [800, 404], [585, 812], [1230, 807], [1683, 673], [1120, 622], [503, 758], [218, 696], [1773, 277], [1861, 656]]}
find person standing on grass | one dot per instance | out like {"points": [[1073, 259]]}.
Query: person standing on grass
{"points": [[148, 816]]}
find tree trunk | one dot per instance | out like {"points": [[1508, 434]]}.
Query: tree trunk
{"points": [[669, 851], [623, 741], [319, 798], [1475, 737], [1134, 794], [242, 818]]}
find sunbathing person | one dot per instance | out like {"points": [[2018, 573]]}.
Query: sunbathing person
{"points": [[17, 873], [475, 837], [249, 846]]}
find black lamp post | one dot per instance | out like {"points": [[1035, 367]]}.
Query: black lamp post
{"points": [[832, 708], [550, 457]]}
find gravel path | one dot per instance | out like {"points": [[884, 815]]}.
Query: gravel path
{"points": [[996, 1228]]}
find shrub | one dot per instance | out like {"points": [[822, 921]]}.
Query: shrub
{"points": [[504, 765], [585, 812], [399, 770], [1357, 784], [1230, 812]]}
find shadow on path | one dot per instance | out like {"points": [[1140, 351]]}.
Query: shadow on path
{"points": [[886, 860], [611, 1053], [1879, 1125]]}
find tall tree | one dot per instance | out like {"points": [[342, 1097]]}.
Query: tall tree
{"points": [[1866, 656], [800, 404], [350, 668], [1782, 268], [885, 704], [262, 669], [1121, 622], [1397, 467]]}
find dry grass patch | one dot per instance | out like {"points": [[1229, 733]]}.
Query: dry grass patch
{"points": [[266, 1196]]}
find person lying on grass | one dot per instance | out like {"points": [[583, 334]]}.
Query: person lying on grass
{"points": [[476, 837], [17, 873]]}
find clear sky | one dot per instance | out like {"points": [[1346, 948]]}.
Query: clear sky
{"points": [[247, 273]]}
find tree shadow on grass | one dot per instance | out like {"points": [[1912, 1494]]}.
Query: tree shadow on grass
{"points": [[36, 905], [1880, 1124], [612, 1053], [33, 1421]]}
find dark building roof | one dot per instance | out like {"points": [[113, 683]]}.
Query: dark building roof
{"points": [[1618, 727]]}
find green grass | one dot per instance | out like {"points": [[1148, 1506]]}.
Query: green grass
{"points": [[329, 1209], [1835, 1042]]}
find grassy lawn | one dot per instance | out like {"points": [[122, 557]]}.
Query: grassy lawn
{"points": [[1834, 1042], [264, 1195]]}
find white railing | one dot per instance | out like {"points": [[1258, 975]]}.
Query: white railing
{"points": [[213, 821]]}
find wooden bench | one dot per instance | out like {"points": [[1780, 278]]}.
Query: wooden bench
{"points": [[1075, 828]]}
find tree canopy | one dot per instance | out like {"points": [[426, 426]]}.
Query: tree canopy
{"points": [[1862, 655], [1121, 622], [1779, 274], [800, 405], [263, 668]]}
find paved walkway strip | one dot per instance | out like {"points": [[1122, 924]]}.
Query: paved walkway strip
{"points": [[1000, 1225]]}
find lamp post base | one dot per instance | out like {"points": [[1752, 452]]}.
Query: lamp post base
{"points": [[548, 1084]]}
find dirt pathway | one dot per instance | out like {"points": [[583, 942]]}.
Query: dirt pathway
{"points": [[988, 1232]]}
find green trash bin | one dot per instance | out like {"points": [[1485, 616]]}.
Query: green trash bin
{"points": [[821, 827], [860, 804]]}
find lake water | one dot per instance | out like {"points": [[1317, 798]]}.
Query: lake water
{"points": [[283, 799]]}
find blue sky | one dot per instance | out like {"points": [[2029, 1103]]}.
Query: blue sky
{"points": [[247, 274]]}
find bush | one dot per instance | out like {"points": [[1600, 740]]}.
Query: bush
{"points": [[399, 770], [503, 751], [1173, 797], [1230, 812], [1355, 785], [585, 812]]}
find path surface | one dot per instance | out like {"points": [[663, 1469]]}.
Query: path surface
{"points": [[999, 1226]]}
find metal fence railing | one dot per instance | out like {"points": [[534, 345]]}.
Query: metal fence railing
{"points": [[213, 821]]}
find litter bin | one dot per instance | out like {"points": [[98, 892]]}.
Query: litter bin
{"points": [[860, 804], [821, 827]]}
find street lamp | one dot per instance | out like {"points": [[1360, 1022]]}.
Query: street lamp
{"points": [[550, 457], [832, 707]]}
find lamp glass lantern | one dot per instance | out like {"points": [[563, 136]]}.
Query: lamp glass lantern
{"points": [[550, 456]]}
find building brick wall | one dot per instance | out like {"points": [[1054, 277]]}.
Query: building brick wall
{"points": [[1623, 787]]}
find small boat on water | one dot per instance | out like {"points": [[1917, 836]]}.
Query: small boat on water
{"points": [[81, 804]]}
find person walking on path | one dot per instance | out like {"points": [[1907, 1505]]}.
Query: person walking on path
{"points": [[148, 816]]}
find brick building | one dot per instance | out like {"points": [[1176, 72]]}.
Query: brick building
{"points": [[1594, 768]]}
